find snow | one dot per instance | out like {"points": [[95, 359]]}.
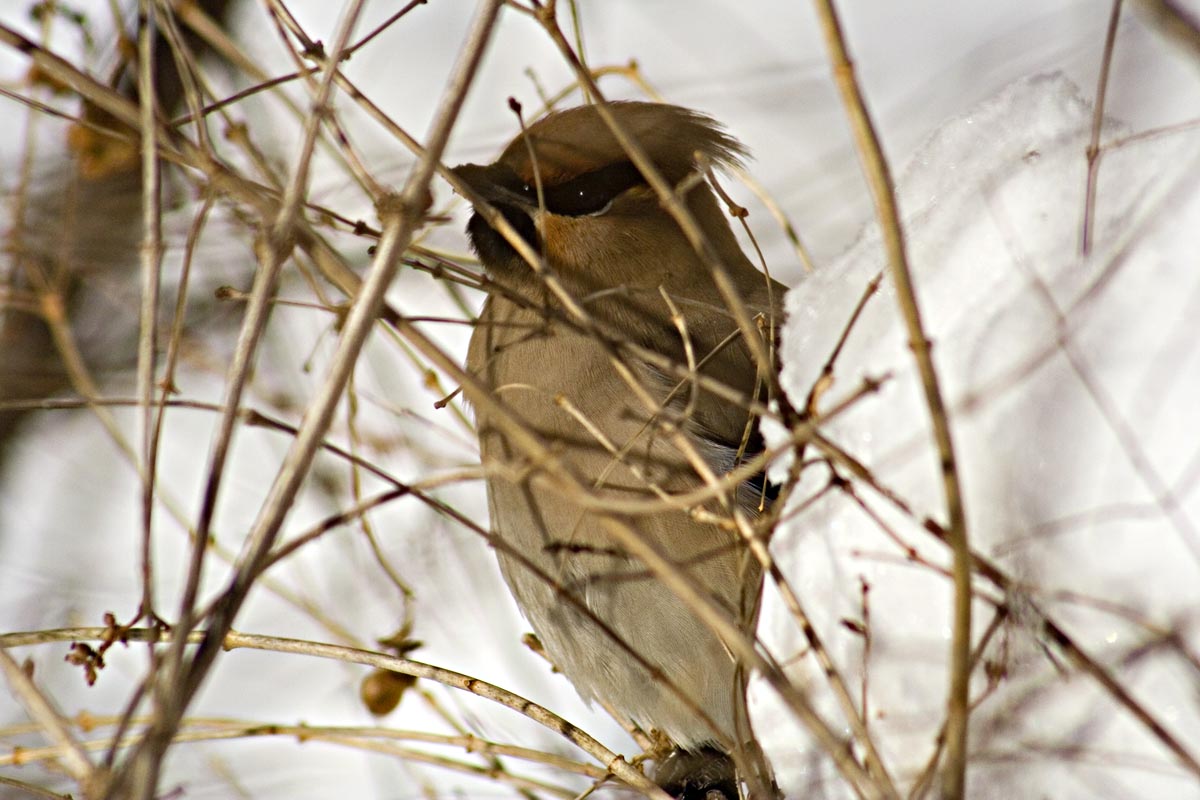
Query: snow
{"points": [[1073, 385]]}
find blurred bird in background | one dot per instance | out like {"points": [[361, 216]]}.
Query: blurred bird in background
{"points": [[629, 429]]}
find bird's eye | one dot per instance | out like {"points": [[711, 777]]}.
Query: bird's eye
{"points": [[506, 178], [592, 193]]}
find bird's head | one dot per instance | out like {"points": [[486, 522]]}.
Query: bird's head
{"points": [[594, 218]]}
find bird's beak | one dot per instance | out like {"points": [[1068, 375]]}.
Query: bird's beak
{"points": [[491, 183], [498, 186]]}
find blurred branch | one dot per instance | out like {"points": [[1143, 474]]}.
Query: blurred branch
{"points": [[370, 740], [1042, 624], [613, 764], [53, 725], [104, 180], [1093, 149], [1175, 23], [177, 682], [151, 274]]}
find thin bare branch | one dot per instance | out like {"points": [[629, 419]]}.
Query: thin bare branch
{"points": [[879, 179]]}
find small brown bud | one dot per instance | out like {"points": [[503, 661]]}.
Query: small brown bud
{"points": [[382, 690]]}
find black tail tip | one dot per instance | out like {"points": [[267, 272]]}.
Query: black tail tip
{"points": [[705, 774]]}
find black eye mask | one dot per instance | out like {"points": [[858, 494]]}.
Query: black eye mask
{"points": [[589, 193]]}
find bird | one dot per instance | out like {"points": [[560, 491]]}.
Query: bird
{"points": [[585, 350]]}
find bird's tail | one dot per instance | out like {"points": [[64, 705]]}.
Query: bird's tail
{"points": [[705, 774]]}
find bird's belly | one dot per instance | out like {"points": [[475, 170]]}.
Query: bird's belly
{"points": [[608, 623], [605, 621]]}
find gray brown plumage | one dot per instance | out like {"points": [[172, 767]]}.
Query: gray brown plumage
{"points": [[605, 235]]}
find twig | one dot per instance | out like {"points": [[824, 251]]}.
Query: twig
{"points": [[151, 263], [50, 721], [924, 781], [1093, 151], [1174, 22], [879, 178], [140, 774], [233, 640], [31, 789], [1044, 625], [825, 379]]}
